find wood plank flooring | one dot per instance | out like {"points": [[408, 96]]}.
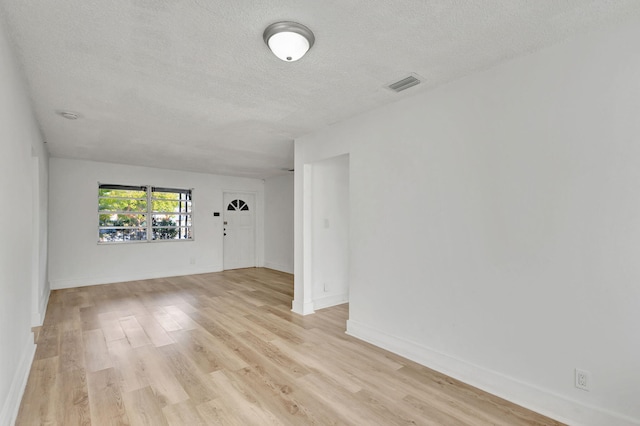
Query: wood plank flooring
{"points": [[224, 348]]}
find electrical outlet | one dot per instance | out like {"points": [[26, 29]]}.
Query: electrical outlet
{"points": [[192, 260], [583, 379]]}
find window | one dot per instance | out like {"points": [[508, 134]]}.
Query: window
{"points": [[122, 213], [143, 213], [238, 205], [171, 210]]}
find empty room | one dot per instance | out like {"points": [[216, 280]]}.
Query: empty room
{"points": [[293, 212]]}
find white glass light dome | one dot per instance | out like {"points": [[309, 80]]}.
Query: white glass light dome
{"points": [[289, 41]]}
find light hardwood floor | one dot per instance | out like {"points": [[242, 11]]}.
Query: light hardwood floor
{"points": [[224, 348]]}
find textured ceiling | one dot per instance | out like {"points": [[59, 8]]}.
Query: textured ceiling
{"points": [[190, 84]]}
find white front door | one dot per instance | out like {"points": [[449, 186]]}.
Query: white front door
{"points": [[239, 230]]}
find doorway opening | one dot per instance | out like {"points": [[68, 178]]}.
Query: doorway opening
{"points": [[328, 226]]}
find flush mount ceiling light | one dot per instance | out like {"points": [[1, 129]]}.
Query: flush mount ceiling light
{"points": [[289, 41]]}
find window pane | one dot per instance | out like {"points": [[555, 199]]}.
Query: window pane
{"points": [[174, 233], [171, 220], [121, 193], [171, 206], [122, 204], [134, 220], [121, 235]]}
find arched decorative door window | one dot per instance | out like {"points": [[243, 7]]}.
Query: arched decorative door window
{"points": [[238, 205]]}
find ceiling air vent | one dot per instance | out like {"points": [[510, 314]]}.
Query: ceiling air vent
{"points": [[404, 84]]}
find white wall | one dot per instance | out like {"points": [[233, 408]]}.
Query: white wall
{"points": [[329, 219], [23, 185], [495, 231], [278, 223], [77, 260], [39, 247]]}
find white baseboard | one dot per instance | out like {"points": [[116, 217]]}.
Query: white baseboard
{"points": [[279, 267], [534, 398], [11, 405], [302, 308], [86, 281], [332, 300], [44, 303]]}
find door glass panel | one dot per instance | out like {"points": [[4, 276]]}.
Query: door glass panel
{"points": [[238, 205]]}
